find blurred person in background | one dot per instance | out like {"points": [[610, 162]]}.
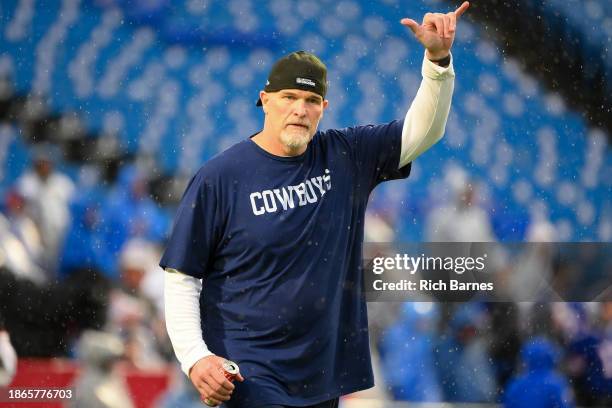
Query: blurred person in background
{"points": [[47, 194], [465, 368], [407, 354], [506, 339], [129, 212], [8, 356], [99, 385], [18, 244], [85, 249], [540, 385], [463, 219], [133, 315], [87, 268], [23, 226], [531, 273], [588, 353]]}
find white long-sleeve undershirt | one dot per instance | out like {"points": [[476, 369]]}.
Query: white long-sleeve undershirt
{"points": [[426, 119], [182, 310], [424, 125]]}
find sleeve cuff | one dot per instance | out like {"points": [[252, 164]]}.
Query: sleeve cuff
{"points": [[193, 357], [436, 72]]}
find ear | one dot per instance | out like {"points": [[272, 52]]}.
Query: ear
{"points": [[325, 103], [264, 99]]}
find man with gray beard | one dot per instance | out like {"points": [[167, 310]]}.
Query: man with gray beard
{"points": [[263, 266]]}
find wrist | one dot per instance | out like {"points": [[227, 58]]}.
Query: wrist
{"points": [[442, 59], [436, 55], [187, 370]]}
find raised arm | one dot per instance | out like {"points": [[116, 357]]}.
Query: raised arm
{"points": [[425, 121]]}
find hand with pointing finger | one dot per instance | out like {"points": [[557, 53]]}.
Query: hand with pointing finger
{"points": [[437, 31]]}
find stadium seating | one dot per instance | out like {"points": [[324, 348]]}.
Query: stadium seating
{"points": [[593, 18], [177, 82]]}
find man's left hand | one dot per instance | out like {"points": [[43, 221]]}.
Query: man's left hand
{"points": [[437, 32]]}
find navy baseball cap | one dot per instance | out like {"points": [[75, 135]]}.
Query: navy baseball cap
{"points": [[298, 70]]}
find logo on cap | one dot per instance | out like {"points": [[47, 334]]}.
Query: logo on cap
{"points": [[300, 70], [305, 81]]}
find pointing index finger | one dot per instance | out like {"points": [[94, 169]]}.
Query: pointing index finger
{"points": [[464, 6]]}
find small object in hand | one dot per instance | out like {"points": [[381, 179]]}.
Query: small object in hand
{"points": [[230, 371]]}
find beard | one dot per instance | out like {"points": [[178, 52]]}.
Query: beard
{"points": [[295, 140]]}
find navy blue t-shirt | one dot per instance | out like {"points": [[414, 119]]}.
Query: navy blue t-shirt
{"points": [[278, 244]]}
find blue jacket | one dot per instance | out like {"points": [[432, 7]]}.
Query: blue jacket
{"points": [[407, 357], [540, 386]]}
